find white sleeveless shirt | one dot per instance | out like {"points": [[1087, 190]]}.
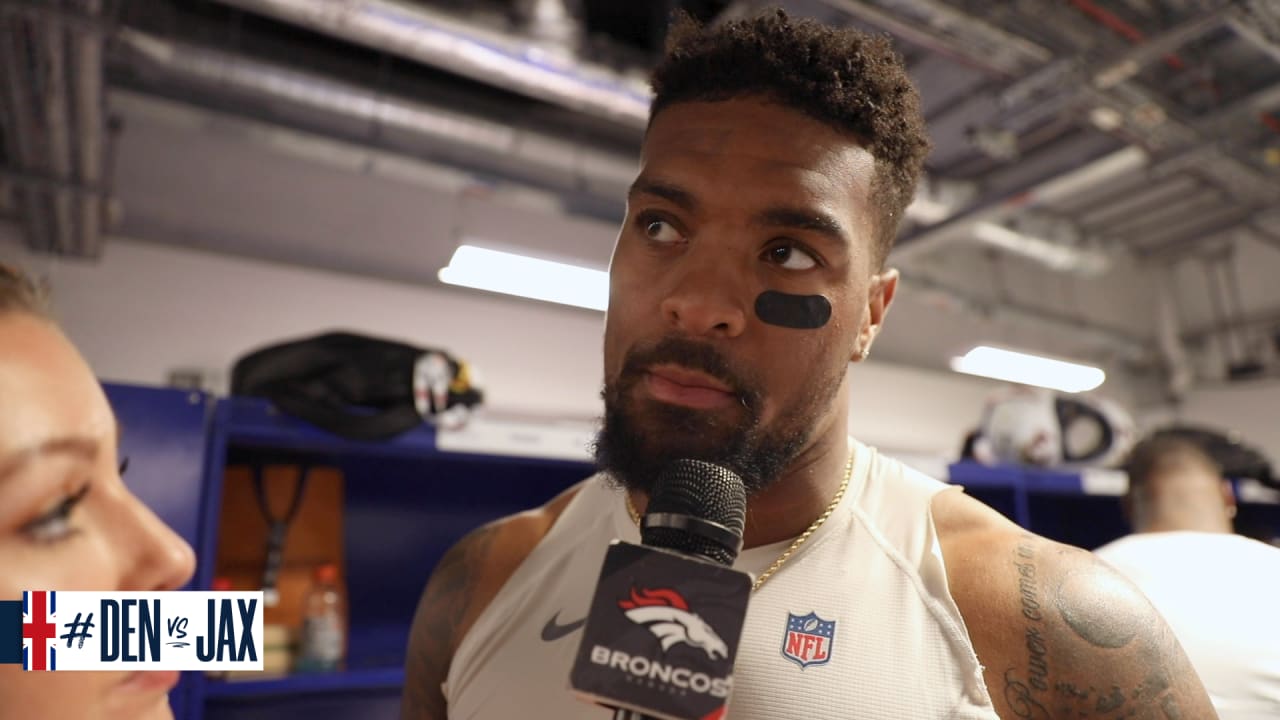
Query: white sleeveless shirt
{"points": [[895, 645]]}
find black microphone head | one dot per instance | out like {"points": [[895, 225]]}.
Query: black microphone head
{"points": [[702, 491]]}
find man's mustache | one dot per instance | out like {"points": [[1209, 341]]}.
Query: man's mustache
{"points": [[686, 353]]}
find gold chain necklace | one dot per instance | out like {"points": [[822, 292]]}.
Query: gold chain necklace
{"points": [[795, 544]]}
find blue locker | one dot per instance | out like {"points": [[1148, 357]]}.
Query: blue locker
{"points": [[164, 435]]}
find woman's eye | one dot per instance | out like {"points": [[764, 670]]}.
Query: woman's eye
{"points": [[55, 525], [659, 230], [791, 257]]}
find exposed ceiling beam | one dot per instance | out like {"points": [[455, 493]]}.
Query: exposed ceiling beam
{"points": [[1264, 234], [1266, 319], [1127, 64], [313, 102], [52, 113], [1152, 221], [995, 208], [1142, 113], [1136, 201], [954, 34], [1240, 23], [427, 35], [1126, 346], [43, 11], [1174, 246]]}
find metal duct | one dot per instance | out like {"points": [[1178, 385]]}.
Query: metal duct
{"points": [[953, 33], [1129, 348], [540, 158], [995, 210], [87, 94], [53, 112], [1180, 375], [1053, 255], [20, 129], [541, 71], [50, 58], [514, 63]]}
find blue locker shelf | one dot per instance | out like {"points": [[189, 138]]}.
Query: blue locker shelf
{"points": [[164, 433], [351, 680], [406, 501]]}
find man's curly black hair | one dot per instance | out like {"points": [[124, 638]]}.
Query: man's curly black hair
{"points": [[849, 80]]}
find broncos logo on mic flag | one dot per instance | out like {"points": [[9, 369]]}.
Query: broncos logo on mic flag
{"points": [[666, 613]]}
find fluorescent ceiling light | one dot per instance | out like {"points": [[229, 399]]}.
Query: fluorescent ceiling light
{"points": [[1028, 369], [512, 274]]}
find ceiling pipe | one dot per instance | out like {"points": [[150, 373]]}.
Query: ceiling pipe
{"points": [[50, 58], [87, 95], [1240, 25], [355, 158], [1128, 348], [21, 136], [550, 21], [1057, 256], [1180, 375], [1147, 49], [520, 65], [54, 109], [539, 158], [1005, 55], [1113, 75], [541, 71], [996, 210]]}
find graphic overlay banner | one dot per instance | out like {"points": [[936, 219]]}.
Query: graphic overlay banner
{"points": [[10, 632], [75, 630]]}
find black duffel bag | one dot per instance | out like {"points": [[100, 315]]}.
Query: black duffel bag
{"points": [[359, 387]]}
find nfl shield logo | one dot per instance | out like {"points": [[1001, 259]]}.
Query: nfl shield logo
{"points": [[808, 640]]}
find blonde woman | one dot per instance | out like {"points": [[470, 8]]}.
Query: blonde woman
{"points": [[67, 521]]}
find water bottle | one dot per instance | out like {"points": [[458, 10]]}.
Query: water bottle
{"points": [[323, 641]]}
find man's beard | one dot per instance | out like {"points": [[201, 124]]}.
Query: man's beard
{"points": [[640, 438]]}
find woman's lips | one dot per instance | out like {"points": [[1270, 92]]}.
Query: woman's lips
{"points": [[688, 388], [161, 681]]}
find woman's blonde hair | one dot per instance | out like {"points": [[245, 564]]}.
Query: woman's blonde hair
{"points": [[20, 293]]}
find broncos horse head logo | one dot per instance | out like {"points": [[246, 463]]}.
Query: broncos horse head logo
{"points": [[667, 616]]}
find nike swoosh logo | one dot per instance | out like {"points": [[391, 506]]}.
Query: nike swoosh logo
{"points": [[553, 630]]}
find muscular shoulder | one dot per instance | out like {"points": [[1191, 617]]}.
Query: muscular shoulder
{"points": [[1060, 634], [462, 585]]}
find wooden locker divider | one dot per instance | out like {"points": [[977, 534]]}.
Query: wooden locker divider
{"points": [[315, 536]]}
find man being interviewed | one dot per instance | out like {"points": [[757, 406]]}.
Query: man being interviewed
{"points": [[749, 273]]}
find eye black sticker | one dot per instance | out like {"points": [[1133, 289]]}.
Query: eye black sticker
{"points": [[802, 312]]}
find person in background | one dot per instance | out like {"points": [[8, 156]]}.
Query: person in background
{"points": [[1218, 590], [748, 275], [67, 520]]}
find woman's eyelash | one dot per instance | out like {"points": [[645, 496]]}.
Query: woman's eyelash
{"points": [[51, 527], [124, 465]]}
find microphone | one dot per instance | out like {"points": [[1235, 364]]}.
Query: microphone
{"points": [[663, 629]]}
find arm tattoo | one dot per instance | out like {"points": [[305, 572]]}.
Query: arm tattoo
{"points": [[1103, 611], [1097, 622], [1022, 697], [440, 611], [1021, 701]]}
